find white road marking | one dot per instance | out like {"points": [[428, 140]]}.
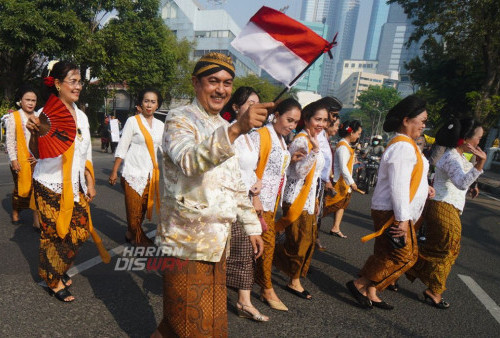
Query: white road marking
{"points": [[490, 196], [483, 297], [75, 270]]}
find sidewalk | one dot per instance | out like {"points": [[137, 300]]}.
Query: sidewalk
{"points": [[489, 182]]}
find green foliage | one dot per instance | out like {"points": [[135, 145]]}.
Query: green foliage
{"points": [[461, 52], [264, 88], [6, 108], [374, 103], [134, 47]]}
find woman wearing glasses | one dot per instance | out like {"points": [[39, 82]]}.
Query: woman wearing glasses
{"points": [[63, 187]]}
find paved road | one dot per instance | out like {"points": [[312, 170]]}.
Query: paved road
{"points": [[119, 304]]}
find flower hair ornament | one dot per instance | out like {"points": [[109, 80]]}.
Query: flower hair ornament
{"points": [[348, 129], [460, 142], [49, 80]]}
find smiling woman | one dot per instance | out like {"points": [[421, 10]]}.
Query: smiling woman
{"points": [[397, 203], [299, 208], [64, 186]]}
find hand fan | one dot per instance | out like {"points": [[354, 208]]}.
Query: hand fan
{"points": [[57, 129]]}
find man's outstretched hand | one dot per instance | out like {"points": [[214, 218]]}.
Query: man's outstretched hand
{"points": [[253, 117]]}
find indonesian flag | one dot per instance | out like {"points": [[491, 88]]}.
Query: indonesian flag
{"points": [[280, 45]]}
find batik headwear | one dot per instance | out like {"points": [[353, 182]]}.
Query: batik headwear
{"points": [[213, 62]]}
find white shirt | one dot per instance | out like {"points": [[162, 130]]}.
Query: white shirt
{"points": [[392, 191], [248, 156], [298, 171], [132, 148], [454, 176], [11, 136], [276, 166], [48, 171], [325, 148], [342, 156]]}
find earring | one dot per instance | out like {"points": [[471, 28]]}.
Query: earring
{"points": [[58, 88], [275, 120]]}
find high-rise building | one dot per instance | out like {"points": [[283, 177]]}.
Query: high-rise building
{"points": [[210, 30], [314, 10], [379, 14], [310, 81], [342, 18], [392, 51]]}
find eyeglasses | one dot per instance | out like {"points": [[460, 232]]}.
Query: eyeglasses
{"points": [[74, 83]]}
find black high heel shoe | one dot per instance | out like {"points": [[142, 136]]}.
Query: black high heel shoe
{"points": [[443, 305], [362, 300], [393, 287]]}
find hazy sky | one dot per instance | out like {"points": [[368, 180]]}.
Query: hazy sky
{"points": [[242, 10]]}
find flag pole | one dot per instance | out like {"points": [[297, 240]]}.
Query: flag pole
{"points": [[332, 44]]}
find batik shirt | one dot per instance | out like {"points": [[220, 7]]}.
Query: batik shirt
{"points": [[204, 193]]}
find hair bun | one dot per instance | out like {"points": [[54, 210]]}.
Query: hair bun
{"points": [[391, 124]]}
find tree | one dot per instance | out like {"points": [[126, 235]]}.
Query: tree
{"points": [[374, 103], [133, 47], [138, 48], [461, 43], [31, 32]]}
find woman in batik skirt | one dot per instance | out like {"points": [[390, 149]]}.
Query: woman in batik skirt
{"points": [[138, 147]]}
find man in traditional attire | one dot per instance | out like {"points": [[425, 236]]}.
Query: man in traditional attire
{"points": [[204, 195]]}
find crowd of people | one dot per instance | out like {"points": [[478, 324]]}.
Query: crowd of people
{"points": [[238, 199]]}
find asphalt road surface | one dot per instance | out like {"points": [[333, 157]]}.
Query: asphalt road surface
{"points": [[118, 304]]}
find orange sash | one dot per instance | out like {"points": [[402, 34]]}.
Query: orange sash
{"points": [[264, 152], [341, 186], [23, 155], [66, 204], [298, 205], [416, 178], [95, 237], [154, 183]]}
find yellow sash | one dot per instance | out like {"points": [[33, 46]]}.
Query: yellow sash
{"points": [[298, 205], [264, 151], [154, 183], [341, 186], [66, 204], [23, 155], [416, 177], [97, 240]]}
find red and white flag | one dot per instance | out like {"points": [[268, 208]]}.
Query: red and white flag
{"points": [[280, 45]]}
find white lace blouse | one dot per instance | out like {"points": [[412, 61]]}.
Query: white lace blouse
{"points": [[392, 191], [11, 139], [48, 171], [324, 146], [248, 155], [298, 171], [277, 163], [132, 148], [454, 176]]}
